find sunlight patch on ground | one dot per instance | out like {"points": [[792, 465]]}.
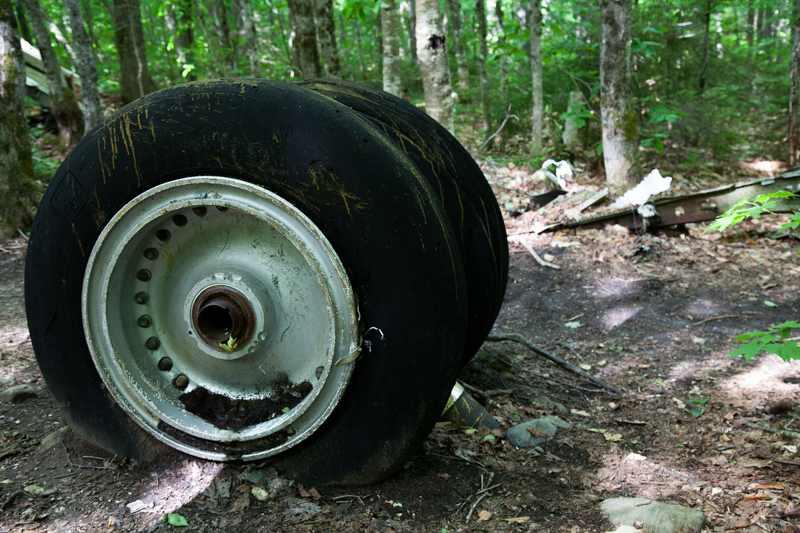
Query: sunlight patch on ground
{"points": [[636, 475], [618, 316], [763, 380], [613, 287]]}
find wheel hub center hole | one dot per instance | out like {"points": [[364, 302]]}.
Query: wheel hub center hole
{"points": [[221, 315], [216, 321]]}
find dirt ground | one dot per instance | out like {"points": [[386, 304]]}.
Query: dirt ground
{"points": [[651, 315]]}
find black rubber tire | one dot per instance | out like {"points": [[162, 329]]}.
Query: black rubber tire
{"points": [[460, 186], [396, 244]]}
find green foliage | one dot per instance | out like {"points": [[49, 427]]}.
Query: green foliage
{"points": [[774, 339], [176, 520]]}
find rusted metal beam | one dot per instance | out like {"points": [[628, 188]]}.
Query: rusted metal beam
{"points": [[699, 206]]}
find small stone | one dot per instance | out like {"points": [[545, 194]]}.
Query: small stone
{"points": [[520, 435], [259, 493], [654, 516], [17, 394], [52, 440]]}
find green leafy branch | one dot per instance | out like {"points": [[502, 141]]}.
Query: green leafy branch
{"points": [[229, 346], [774, 340]]}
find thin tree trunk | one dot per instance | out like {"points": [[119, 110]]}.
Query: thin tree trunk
{"points": [[92, 105], [86, 9], [535, 21], [63, 104], [219, 66], [454, 12], [361, 52], [222, 32], [305, 37], [412, 30], [432, 54], [135, 79], [250, 37], [326, 35], [16, 164], [59, 35], [179, 21], [794, 98], [504, 96], [24, 30], [570, 137], [620, 130], [701, 77], [390, 19], [480, 15]]}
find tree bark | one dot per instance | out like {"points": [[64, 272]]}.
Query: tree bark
{"points": [[432, 54], [454, 12], [326, 35], [504, 95], [92, 105], [250, 37], [535, 21], [134, 75], [63, 103], [16, 164], [794, 97], [480, 15], [305, 37], [620, 130], [412, 30], [390, 18], [222, 32], [701, 77]]}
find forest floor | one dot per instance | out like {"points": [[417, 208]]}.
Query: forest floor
{"points": [[652, 315]]}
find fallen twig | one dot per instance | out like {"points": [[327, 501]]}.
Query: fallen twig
{"points": [[82, 466], [538, 375], [493, 135], [515, 337], [783, 462], [536, 256], [571, 349], [715, 318], [783, 432]]}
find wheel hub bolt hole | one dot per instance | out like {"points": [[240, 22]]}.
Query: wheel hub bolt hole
{"points": [[143, 275], [320, 370], [221, 208], [179, 220], [163, 235], [181, 381], [151, 254], [199, 211], [152, 343], [144, 321], [165, 364], [142, 298]]}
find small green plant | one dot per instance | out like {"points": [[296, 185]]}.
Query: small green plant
{"points": [[774, 339], [229, 346]]}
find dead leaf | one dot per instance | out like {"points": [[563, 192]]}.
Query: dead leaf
{"points": [[444, 475], [538, 433], [518, 519], [724, 438], [757, 496], [484, 516], [634, 422], [579, 413], [613, 437], [771, 485], [303, 492], [314, 494], [585, 366]]}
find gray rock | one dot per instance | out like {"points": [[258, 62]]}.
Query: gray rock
{"points": [[17, 393], [521, 437], [52, 440], [654, 516]]}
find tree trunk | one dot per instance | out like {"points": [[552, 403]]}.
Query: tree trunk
{"points": [[305, 37], [63, 104], [24, 30], [16, 164], [570, 137], [432, 54], [250, 37], [504, 96], [361, 64], [92, 105], [222, 32], [454, 12], [620, 131], [412, 30], [219, 66], [390, 18], [134, 75], [179, 21], [535, 20], [86, 10], [794, 98], [480, 15], [701, 77], [326, 35]]}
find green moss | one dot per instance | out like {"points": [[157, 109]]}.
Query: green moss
{"points": [[629, 126]]}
